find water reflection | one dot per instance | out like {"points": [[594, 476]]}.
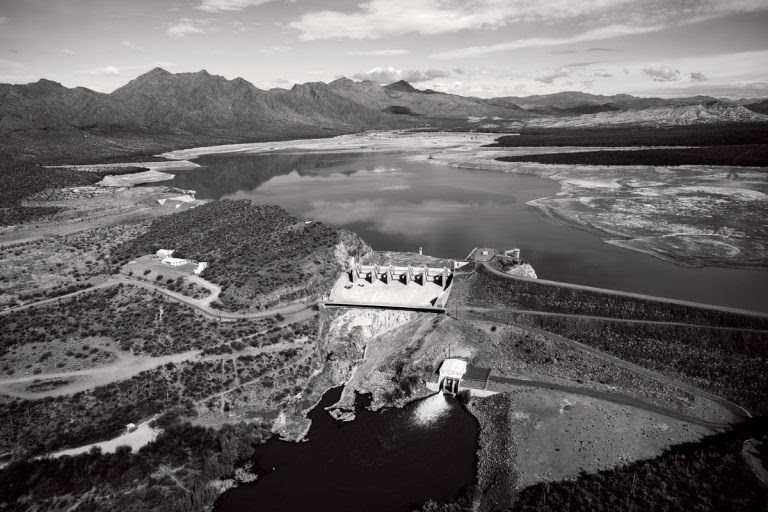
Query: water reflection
{"points": [[401, 206]]}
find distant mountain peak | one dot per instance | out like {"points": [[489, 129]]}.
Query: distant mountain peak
{"points": [[158, 71], [44, 82], [402, 86], [342, 81]]}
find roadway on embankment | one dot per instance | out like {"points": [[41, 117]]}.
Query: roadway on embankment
{"points": [[487, 266], [606, 319]]}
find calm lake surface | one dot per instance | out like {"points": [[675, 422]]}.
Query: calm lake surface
{"points": [[388, 461], [401, 206]]}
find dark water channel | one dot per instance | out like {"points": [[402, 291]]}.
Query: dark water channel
{"points": [[388, 461], [399, 205]]}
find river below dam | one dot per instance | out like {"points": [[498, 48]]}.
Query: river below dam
{"points": [[400, 205], [389, 461]]}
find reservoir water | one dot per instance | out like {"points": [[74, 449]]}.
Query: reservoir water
{"points": [[388, 461], [399, 205]]}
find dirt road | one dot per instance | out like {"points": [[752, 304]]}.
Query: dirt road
{"points": [[616, 398], [294, 312], [124, 367]]}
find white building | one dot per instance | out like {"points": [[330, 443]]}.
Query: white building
{"points": [[174, 262], [164, 253], [200, 267], [451, 373]]}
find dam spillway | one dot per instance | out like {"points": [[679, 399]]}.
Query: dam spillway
{"points": [[389, 286]]}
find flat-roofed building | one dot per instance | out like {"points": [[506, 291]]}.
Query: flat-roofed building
{"points": [[174, 262]]}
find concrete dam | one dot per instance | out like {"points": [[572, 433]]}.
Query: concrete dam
{"points": [[403, 287]]}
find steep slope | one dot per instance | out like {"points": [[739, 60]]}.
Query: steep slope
{"points": [[760, 107], [47, 104], [429, 104]]}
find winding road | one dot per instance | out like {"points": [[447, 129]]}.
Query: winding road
{"points": [[616, 398], [124, 367], [293, 312]]}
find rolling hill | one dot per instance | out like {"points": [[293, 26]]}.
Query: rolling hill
{"points": [[48, 123]]}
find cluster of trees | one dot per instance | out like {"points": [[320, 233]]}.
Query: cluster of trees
{"points": [[135, 481], [128, 315], [752, 155], [728, 363], [34, 427], [23, 180], [187, 288], [488, 289], [253, 251]]}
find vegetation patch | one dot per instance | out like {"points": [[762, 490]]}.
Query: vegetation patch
{"points": [[33, 427], [174, 473], [727, 363], [54, 266], [137, 320], [259, 255]]}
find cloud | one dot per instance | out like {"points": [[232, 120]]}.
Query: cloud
{"points": [[390, 217], [602, 49], [390, 74], [275, 49], [580, 64], [698, 77], [185, 27], [662, 74], [380, 53], [376, 19], [3, 20], [383, 18], [229, 5], [602, 74], [105, 71], [67, 52], [131, 46], [608, 32], [550, 76]]}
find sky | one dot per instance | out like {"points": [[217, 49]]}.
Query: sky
{"points": [[485, 48]]}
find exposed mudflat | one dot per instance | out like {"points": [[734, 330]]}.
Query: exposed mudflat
{"points": [[690, 215]]}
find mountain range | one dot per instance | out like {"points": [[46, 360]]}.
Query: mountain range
{"points": [[45, 121]]}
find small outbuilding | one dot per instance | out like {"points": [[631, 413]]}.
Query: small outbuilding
{"points": [[174, 262], [451, 373], [200, 267], [164, 253]]}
